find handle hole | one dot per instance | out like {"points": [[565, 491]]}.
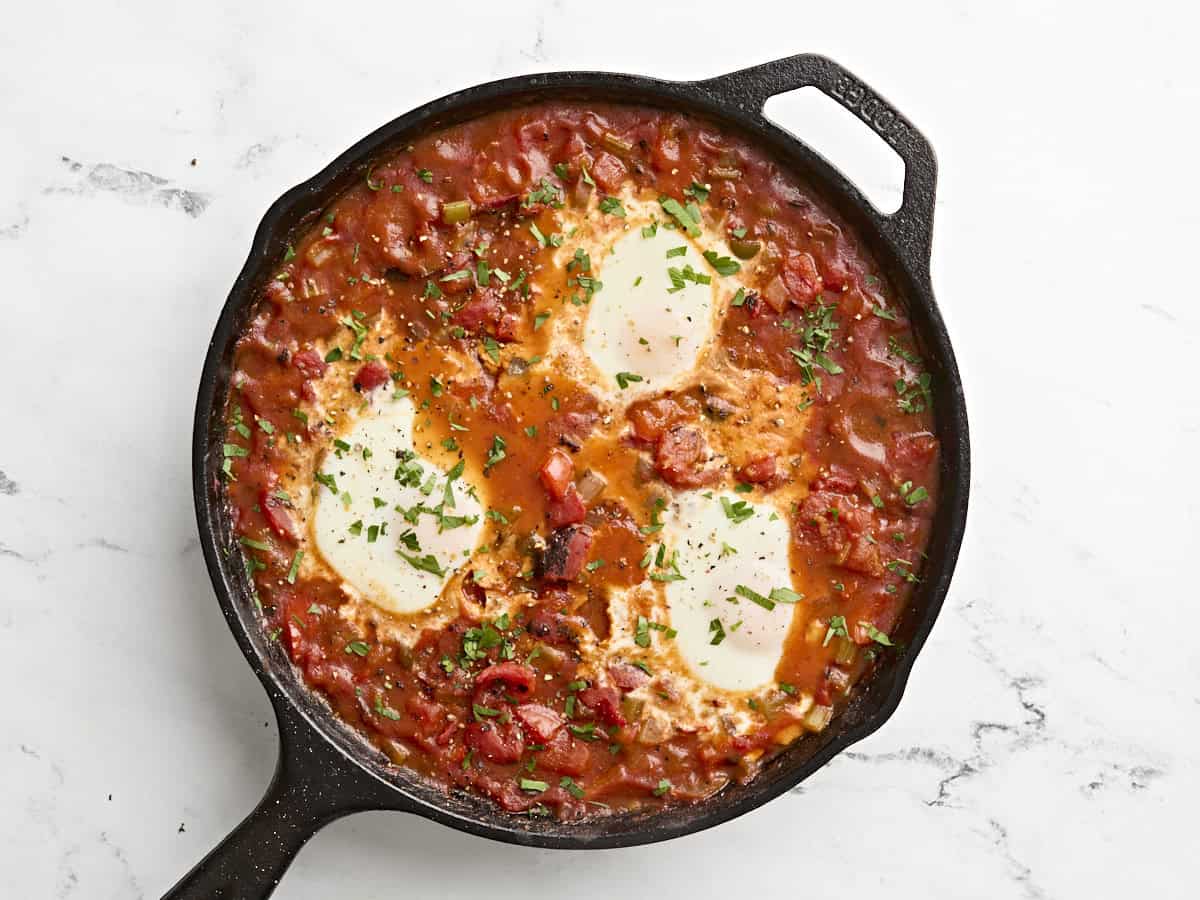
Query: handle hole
{"points": [[845, 140]]}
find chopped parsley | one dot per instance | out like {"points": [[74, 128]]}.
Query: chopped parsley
{"points": [[723, 264], [914, 396], [754, 597], [912, 496], [737, 511], [688, 217], [876, 635], [717, 631], [295, 567], [496, 454], [567, 783], [785, 595], [612, 206], [837, 628], [386, 711], [547, 192], [426, 563]]}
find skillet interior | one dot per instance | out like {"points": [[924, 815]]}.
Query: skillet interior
{"points": [[336, 770]]}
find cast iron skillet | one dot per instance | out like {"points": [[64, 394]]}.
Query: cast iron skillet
{"points": [[325, 770]]}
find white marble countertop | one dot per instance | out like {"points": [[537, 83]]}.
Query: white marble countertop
{"points": [[1048, 744]]}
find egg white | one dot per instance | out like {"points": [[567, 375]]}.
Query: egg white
{"points": [[637, 324], [369, 493], [715, 555]]}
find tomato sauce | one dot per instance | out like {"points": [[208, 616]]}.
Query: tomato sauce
{"points": [[505, 706]]}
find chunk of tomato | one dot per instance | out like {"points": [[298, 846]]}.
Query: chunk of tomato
{"points": [[557, 474], [372, 375], [568, 510]]}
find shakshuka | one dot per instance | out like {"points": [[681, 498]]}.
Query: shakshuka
{"points": [[581, 458]]}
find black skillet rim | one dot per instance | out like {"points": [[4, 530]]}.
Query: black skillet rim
{"points": [[336, 776]]}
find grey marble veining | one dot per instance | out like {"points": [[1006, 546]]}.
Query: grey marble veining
{"points": [[1047, 745]]}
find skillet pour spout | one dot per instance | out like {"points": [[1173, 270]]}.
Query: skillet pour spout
{"points": [[324, 769]]}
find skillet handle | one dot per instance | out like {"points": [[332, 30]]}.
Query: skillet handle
{"points": [[307, 792], [911, 226]]}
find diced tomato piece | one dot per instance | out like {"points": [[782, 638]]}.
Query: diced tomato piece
{"points": [[758, 471], [310, 364], [482, 309], [680, 456], [608, 172], [651, 418], [566, 552], [570, 510], [539, 721], [564, 755], [553, 627], [277, 516], [836, 524], [913, 449], [572, 428], [802, 278], [423, 710], [492, 204], [605, 702], [279, 293], [836, 274], [496, 741], [506, 328], [665, 152], [557, 474], [863, 556], [293, 640], [627, 677], [516, 675], [372, 375], [835, 480]]}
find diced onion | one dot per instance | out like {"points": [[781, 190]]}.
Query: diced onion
{"points": [[590, 485], [656, 728], [846, 651], [818, 717], [788, 734], [776, 294], [838, 679], [631, 708]]}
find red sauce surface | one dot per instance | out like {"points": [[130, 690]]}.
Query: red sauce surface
{"points": [[497, 707]]}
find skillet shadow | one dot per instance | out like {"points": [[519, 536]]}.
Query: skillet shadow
{"points": [[380, 851]]}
